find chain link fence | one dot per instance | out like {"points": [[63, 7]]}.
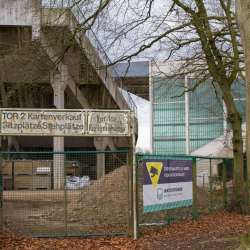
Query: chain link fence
{"points": [[49, 194], [65, 193]]}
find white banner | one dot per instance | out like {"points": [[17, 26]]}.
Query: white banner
{"points": [[167, 183]]}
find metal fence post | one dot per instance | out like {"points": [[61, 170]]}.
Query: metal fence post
{"points": [[194, 189], [137, 196], [211, 186], [128, 223], [168, 217], [131, 195], [134, 181], [65, 194], [224, 177]]}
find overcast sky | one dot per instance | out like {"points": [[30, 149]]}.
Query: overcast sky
{"points": [[143, 117]]}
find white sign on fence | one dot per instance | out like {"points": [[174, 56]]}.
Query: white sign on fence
{"points": [[106, 123], [167, 183], [42, 123], [65, 122]]}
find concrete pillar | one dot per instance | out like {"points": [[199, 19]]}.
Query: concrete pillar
{"points": [[100, 144], [59, 83], [100, 165], [58, 163], [36, 19], [151, 114]]}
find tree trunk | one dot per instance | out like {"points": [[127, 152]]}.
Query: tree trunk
{"points": [[241, 194], [242, 11], [235, 118]]}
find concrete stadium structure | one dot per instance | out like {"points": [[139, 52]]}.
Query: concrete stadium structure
{"points": [[193, 123], [190, 123], [39, 70]]}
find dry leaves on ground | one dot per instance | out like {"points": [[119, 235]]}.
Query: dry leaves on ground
{"points": [[199, 234]]}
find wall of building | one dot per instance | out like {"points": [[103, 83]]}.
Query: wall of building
{"points": [[17, 12], [206, 115]]}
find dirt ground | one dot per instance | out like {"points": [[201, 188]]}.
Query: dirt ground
{"points": [[199, 234], [101, 208]]}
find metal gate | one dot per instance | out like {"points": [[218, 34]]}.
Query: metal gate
{"points": [[212, 191], [65, 193]]}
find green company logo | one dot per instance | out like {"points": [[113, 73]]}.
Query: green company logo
{"points": [[159, 193]]}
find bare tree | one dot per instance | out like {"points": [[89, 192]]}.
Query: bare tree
{"points": [[201, 34], [203, 37]]}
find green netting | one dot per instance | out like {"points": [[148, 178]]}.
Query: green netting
{"points": [[205, 114], [176, 146], [169, 120], [205, 101], [204, 131], [165, 89], [239, 89]]}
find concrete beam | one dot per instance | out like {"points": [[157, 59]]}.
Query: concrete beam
{"points": [[70, 82], [102, 142], [12, 141], [17, 12], [101, 70]]}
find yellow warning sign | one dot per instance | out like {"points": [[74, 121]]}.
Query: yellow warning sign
{"points": [[154, 170]]}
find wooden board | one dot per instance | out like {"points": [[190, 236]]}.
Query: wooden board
{"points": [[22, 167], [72, 164], [69, 165], [7, 183], [70, 171], [23, 181], [41, 181], [42, 167], [7, 167]]}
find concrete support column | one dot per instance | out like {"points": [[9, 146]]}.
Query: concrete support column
{"points": [[36, 19], [58, 163], [100, 144], [59, 83], [100, 165], [151, 115]]}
